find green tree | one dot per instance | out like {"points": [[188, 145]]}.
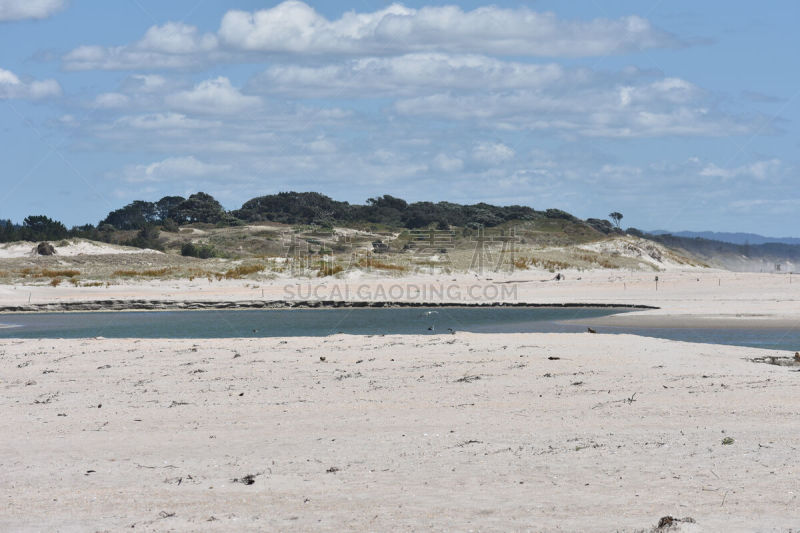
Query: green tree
{"points": [[199, 207], [616, 217], [42, 228]]}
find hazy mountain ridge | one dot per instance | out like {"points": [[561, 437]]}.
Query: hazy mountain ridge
{"points": [[729, 237], [766, 257]]}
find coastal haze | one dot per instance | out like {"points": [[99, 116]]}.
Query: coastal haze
{"points": [[316, 266]]}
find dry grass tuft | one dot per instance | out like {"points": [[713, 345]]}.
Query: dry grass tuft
{"points": [[369, 262], [243, 270], [153, 273], [327, 269]]}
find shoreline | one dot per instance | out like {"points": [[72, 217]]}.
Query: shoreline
{"points": [[242, 305], [709, 321]]}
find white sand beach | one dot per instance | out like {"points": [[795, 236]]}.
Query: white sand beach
{"points": [[525, 432], [550, 432]]}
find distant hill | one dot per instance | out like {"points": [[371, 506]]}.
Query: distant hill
{"points": [[766, 257], [734, 238]]}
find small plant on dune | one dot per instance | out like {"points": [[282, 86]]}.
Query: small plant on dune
{"points": [[201, 251], [521, 263], [550, 264], [243, 270], [327, 269], [57, 273], [55, 282], [152, 273], [369, 262]]}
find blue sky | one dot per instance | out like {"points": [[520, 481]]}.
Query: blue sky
{"points": [[680, 115]]}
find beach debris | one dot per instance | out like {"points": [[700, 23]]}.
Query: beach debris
{"points": [[467, 379], [104, 367], [553, 358], [778, 361], [727, 441], [248, 479], [591, 330], [468, 442], [332, 470], [666, 523], [176, 404], [797, 356], [322, 358], [237, 355]]}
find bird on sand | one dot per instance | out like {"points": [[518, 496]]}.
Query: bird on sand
{"points": [[592, 330], [797, 356]]}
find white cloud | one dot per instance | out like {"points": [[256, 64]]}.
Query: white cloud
{"points": [[295, 27], [591, 105], [215, 96], [172, 45], [760, 170], [144, 83], [111, 101], [11, 86], [29, 9], [446, 163], [162, 122], [492, 152], [172, 169], [407, 75]]}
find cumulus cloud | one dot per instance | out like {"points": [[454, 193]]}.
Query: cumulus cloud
{"points": [[11, 86], [593, 107], [162, 122], [447, 163], [215, 96], [29, 9], [295, 27], [759, 170], [111, 101], [408, 74], [172, 169], [171, 45], [492, 152]]}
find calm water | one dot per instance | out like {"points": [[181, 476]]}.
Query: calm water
{"points": [[321, 322]]}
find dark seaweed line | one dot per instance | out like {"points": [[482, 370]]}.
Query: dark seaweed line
{"points": [[167, 305]]}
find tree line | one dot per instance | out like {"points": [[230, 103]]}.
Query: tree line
{"points": [[296, 208]]}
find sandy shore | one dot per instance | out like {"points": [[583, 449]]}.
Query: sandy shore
{"points": [[679, 293], [551, 432]]}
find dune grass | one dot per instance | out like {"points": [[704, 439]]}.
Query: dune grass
{"points": [[151, 273]]}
